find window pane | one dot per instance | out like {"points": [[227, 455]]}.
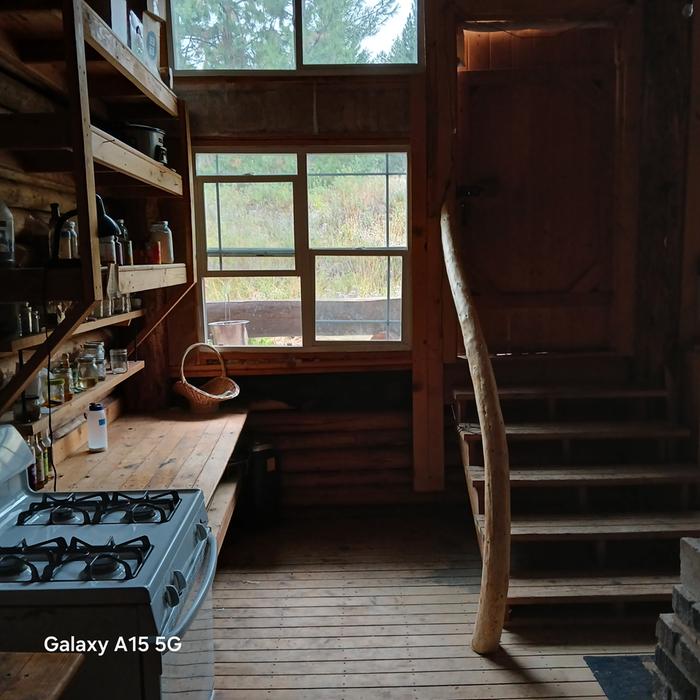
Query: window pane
{"points": [[246, 164], [359, 31], [358, 298], [233, 34], [355, 201], [248, 217], [257, 311]]}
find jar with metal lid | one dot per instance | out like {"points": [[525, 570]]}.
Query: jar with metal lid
{"points": [[161, 233], [117, 358], [96, 348], [88, 374]]}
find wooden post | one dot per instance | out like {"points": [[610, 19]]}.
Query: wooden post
{"points": [[496, 536]]}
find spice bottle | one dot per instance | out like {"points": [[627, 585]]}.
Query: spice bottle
{"points": [[46, 456], [74, 248], [39, 462], [27, 319], [31, 469]]}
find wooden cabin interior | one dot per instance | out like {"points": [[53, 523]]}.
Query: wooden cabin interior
{"points": [[394, 304]]}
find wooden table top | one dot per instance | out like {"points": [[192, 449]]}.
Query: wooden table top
{"points": [[167, 450], [25, 676]]}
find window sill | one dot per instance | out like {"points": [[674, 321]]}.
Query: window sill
{"points": [[299, 361]]}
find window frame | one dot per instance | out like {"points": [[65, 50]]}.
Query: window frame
{"points": [[308, 69], [304, 256]]}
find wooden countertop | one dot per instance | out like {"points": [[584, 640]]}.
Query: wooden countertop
{"points": [[25, 676], [170, 449], [173, 449]]}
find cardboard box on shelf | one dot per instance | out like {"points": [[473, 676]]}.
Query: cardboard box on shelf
{"points": [[114, 12], [151, 37]]}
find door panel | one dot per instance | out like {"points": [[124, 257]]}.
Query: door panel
{"points": [[537, 152]]}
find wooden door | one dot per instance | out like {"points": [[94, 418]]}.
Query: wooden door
{"points": [[536, 129]]}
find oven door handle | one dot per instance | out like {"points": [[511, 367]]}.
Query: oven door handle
{"points": [[207, 580]]}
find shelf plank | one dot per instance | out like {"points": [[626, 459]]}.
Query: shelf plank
{"points": [[118, 156], [30, 341], [67, 411], [102, 39], [139, 278]]}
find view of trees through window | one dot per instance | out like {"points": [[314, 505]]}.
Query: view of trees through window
{"points": [[342, 263], [260, 34]]}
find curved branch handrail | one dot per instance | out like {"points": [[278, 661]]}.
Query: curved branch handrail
{"points": [[496, 536]]}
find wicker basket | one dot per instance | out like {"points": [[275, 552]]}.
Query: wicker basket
{"points": [[206, 399]]}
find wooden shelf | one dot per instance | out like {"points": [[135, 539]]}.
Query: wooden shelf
{"points": [[44, 142], [67, 411], [139, 278], [24, 342], [33, 43]]}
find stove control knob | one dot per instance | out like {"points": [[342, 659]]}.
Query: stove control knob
{"points": [[179, 580], [172, 596], [201, 532]]}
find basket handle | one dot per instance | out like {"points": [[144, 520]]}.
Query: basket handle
{"points": [[222, 364]]}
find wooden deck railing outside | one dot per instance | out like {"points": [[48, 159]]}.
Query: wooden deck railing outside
{"points": [[496, 536]]}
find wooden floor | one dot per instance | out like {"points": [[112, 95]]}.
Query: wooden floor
{"points": [[342, 604]]}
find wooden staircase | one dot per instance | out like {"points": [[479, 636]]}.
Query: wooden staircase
{"points": [[603, 486]]}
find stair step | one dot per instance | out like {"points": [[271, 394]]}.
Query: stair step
{"points": [[636, 526], [584, 588], [641, 430], [566, 392], [623, 474]]}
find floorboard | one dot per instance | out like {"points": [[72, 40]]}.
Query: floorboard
{"points": [[380, 604]]}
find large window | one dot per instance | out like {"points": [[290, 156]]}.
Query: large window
{"points": [[303, 249], [281, 35]]}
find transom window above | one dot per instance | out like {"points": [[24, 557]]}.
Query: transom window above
{"points": [[303, 249], [284, 35]]}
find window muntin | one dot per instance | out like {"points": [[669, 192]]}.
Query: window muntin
{"points": [[242, 35], [345, 227]]}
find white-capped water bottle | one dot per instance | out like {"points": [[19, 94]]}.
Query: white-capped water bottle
{"points": [[97, 428]]}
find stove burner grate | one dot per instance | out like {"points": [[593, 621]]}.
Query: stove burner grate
{"points": [[14, 561], [62, 510]]}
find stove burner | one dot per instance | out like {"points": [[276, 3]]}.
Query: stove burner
{"points": [[103, 566], [25, 558], [141, 508], [145, 512], [65, 514], [111, 561], [60, 510], [12, 566]]}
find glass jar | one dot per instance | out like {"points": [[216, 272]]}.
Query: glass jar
{"points": [[118, 361], [88, 375], [56, 391], [66, 375], [160, 232], [108, 250], [96, 348]]}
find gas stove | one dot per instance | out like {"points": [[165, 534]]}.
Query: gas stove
{"points": [[106, 565]]}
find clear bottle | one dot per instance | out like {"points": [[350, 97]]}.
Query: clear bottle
{"points": [[7, 236], [36, 321], [46, 455], [74, 248], [161, 233], [101, 369], [127, 246], [97, 428]]}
